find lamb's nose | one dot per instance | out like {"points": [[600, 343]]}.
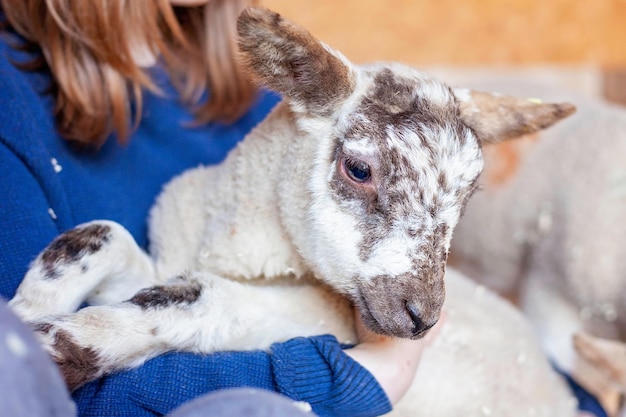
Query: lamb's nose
{"points": [[419, 327]]}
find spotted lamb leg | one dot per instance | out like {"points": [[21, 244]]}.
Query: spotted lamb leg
{"points": [[98, 262], [185, 314]]}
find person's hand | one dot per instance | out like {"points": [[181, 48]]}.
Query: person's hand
{"points": [[392, 361]]}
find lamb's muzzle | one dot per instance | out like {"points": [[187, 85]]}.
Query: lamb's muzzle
{"points": [[406, 306]]}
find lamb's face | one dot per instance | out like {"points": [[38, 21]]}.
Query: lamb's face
{"points": [[400, 168], [397, 158]]}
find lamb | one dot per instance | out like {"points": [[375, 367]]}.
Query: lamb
{"points": [[553, 236], [347, 194]]}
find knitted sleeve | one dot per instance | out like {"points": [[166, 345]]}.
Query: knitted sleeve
{"points": [[314, 370]]}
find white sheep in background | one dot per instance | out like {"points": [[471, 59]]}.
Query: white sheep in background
{"points": [[554, 237], [345, 195]]}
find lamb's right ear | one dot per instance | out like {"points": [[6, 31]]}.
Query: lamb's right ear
{"points": [[289, 60], [496, 117]]}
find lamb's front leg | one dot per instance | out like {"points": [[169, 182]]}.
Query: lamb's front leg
{"points": [[98, 262], [184, 315]]}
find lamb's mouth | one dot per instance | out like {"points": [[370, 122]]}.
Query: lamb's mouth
{"points": [[369, 319], [395, 322]]}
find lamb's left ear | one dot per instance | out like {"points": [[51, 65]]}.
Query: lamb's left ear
{"points": [[495, 117], [291, 61]]}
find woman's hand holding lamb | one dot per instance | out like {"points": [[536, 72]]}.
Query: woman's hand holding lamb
{"points": [[392, 361]]}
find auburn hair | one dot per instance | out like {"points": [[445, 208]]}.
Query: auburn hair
{"points": [[93, 51]]}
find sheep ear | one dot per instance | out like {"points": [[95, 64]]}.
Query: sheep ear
{"points": [[288, 59], [495, 118]]}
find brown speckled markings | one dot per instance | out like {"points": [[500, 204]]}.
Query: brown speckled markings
{"points": [[71, 246], [395, 100], [164, 296], [43, 328], [78, 364], [395, 105]]}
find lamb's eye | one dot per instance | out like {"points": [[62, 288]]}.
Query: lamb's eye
{"points": [[357, 170]]}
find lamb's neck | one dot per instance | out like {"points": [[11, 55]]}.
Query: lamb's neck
{"points": [[251, 212]]}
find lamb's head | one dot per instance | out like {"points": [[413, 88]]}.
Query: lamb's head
{"points": [[397, 155]]}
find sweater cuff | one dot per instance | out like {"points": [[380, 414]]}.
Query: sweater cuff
{"points": [[316, 370]]}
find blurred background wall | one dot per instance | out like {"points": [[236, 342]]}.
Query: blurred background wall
{"points": [[585, 38]]}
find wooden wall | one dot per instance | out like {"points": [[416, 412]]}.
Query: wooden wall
{"points": [[468, 32]]}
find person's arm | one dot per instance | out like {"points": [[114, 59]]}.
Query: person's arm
{"points": [[314, 370], [392, 361], [317, 370]]}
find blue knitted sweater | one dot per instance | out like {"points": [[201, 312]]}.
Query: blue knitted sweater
{"points": [[48, 187]]}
